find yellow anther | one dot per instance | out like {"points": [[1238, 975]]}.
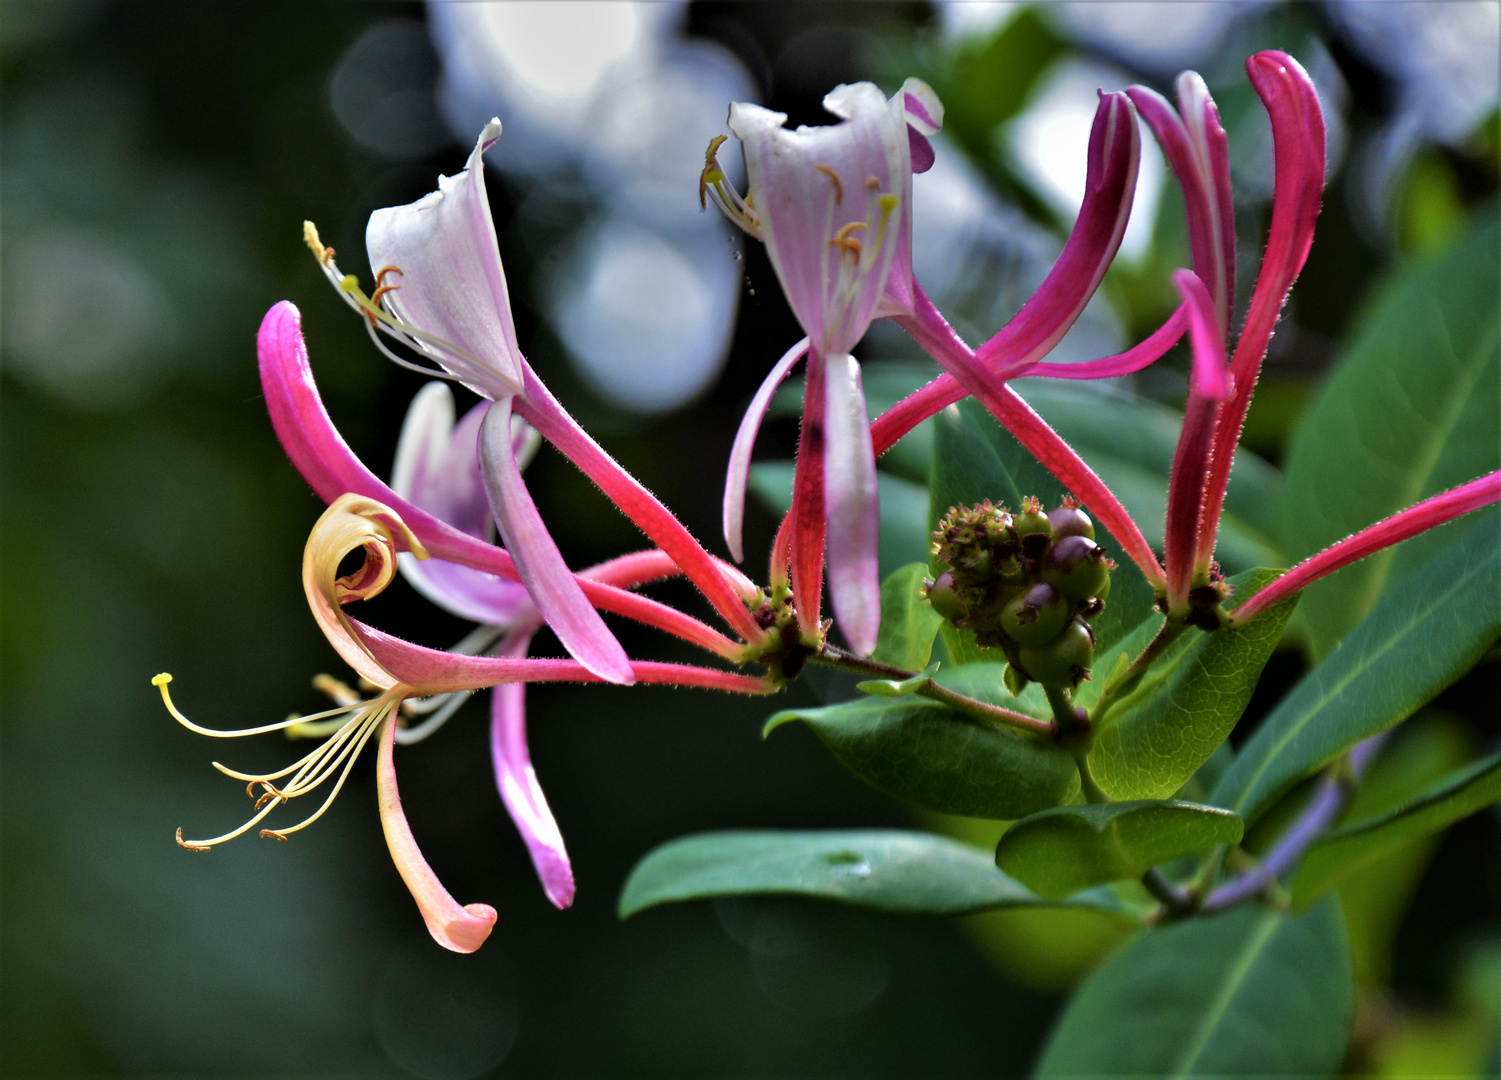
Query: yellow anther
{"points": [[188, 843], [310, 236], [712, 176], [834, 178]]}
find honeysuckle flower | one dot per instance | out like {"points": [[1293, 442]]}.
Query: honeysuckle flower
{"points": [[399, 671], [833, 206], [441, 292]]}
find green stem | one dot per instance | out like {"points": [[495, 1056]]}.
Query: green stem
{"points": [[832, 656], [1176, 900]]}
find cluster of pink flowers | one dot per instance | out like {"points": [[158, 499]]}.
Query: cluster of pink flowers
{"points": [[833, 207]]}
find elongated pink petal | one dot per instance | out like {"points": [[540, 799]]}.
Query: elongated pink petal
{"points": [[331, 469], [461, 929], [433, 671], [1194, 143], [943, 391], [518, 784], [852, 506], [546, 576], [448, 276], [1297, 120], [1148, 351], [1428, 514], [929, 329], [745, 441], [809, 523], [1209, 386], [1114, 153], [544, 413]]}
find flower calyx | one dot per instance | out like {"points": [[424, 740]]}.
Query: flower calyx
{"points": [[783, 650], [1025, 583]]}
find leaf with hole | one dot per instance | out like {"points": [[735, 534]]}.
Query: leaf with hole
{"points": [[909, 873], [1057, 852]]}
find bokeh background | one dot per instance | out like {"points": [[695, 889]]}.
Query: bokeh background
{"points": [[158, 160]]}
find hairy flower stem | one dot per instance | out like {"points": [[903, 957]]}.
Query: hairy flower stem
{"points": [[832, 656]]}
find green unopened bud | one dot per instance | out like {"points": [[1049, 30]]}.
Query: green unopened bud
{"points": [[1070, 521], [945, 598], [1076, 566], [1064, 660], [1032, 519], [1035, 617]]}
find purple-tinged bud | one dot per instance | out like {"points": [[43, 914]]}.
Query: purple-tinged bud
{"points": [[1070, 521], [945, 598], [1036, 616], [1077, 567]]}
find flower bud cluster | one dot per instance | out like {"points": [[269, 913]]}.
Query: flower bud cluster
{"points": [[1024, 583]]}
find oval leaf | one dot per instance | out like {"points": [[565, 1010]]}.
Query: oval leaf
{"points": [[911, 873], [939, 759], [1409, 411], [1424, 634], [1249, 993], [1060, 851], [1153, 739], [1351, 847], [908, 622]]}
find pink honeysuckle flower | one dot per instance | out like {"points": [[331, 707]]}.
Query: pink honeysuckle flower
{"points": [[331, 469], [833, 206], [398, 671], [442, 293]]}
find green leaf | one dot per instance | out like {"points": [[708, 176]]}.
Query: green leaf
{"points": [[1248, 993], [1154, 738], [908, 622], [918, 750], [897, 687], [910, 873], [1350, 847], [1060, 851], [1410, 411], [1426, 632], [904, 510], [974, 459]]}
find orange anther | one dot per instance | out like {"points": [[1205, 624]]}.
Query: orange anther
{"points": [[272, 834], [834, 177], [188, 843]]}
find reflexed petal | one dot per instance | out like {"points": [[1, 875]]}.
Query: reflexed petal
{"points": [[461, 929], [547, 578], [745, 442], [852, 502], [451, 282], [517, 782]]}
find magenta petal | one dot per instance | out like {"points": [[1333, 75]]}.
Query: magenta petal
{"points": [[921, 150], [852, 505], [745, 441], [1114, 153], [518, 785], [544, 573]]}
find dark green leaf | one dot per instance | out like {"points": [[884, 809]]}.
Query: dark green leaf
{"points": [[911, 873], [904, 510], [1057, 852], [939, 759], [1410, 411], [1152, 739], [908, 622], [1249, 993], [1355, 845], [1426, 632]]}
